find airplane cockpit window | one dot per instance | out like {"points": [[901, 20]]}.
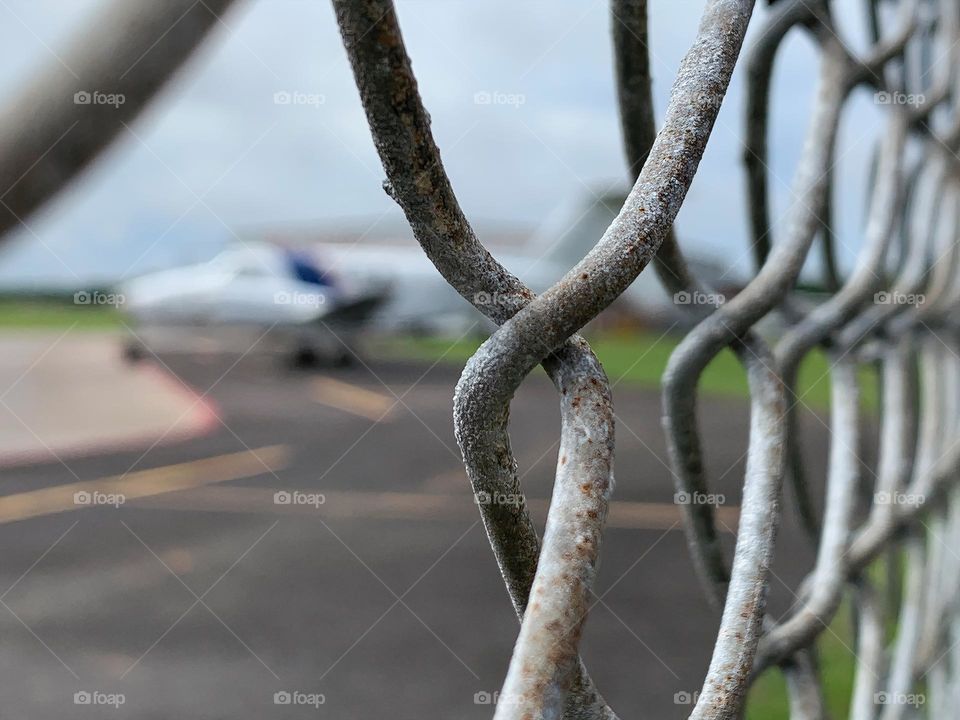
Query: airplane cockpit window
{"points": [[253, 271]]}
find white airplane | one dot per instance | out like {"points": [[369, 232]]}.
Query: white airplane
{"points": [[246, 291], [317, 295]]}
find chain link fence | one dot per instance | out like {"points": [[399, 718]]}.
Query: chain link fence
{"points": [[888, 540], [892, 312]]}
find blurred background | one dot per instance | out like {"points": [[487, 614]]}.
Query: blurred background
{"points": [[231, 486]]}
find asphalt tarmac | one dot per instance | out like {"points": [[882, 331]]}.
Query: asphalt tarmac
{"points": [[171, 580]]}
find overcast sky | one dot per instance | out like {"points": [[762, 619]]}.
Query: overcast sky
{"points": [[217, 133]]}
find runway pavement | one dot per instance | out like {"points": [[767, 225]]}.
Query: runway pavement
{"points": [[319, 541]]}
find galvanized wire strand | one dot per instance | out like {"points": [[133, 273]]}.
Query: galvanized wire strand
{"points": [[735, 317], [859, 289], [869, 652], [759, 68], [829, 574], [900, 679], [823, 596], [765, 451]]}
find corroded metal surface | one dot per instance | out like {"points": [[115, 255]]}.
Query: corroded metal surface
{"points": [[907, 251]]}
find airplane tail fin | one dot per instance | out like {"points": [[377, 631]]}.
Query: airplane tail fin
{"points": [[571, 231]]}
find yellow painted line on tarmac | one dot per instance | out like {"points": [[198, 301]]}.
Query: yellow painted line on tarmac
{"points": [[143, 483], [413, 506], [353, 399]]}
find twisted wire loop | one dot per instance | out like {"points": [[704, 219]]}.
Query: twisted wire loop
{"points": [[416, 179], [542, 680], [909, 249]]}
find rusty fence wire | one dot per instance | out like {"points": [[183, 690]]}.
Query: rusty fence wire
{"points": [[892, 311]]}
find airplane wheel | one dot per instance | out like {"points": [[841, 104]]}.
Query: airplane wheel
{"points": [[343, 359], [133, 352], [305, 358]]}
